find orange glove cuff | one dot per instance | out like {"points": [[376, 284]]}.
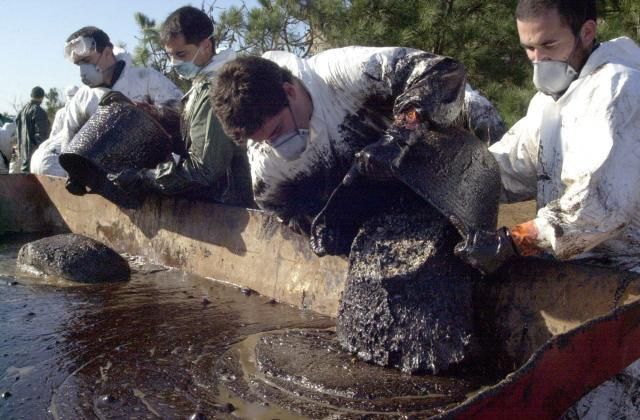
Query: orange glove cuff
{"points": [[525, 237]]}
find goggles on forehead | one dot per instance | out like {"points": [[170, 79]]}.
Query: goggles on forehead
{"points": [[79, 48]]}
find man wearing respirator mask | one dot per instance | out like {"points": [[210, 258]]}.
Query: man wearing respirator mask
{"points": [[576, 152], [213, 168], [304, 120], [102, 68]]}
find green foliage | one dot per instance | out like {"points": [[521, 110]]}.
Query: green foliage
{"points": [[288, 25], [53, 103], [5, 118], [150, 52], [511, 100], [619, 17], [481, 34]]}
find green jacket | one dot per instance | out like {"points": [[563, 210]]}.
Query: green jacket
{"points": [[32, 126], [214, 167]]}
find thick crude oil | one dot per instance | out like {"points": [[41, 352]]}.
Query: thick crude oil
{"points": [[167, 344]]}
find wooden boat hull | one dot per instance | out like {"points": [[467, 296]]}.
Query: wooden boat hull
{"points": [[544, 319]]}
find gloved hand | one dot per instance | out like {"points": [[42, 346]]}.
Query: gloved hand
{"points": [[374, 161], [75, 187], [487, 251], [130, 180]]}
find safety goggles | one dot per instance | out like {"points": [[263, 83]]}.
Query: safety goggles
{"points": [[79, 48]]}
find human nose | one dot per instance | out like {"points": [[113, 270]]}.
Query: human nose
{"points": [[536, 54]]}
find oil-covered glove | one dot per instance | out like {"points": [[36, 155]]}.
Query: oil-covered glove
{"points": [[132, 180], [75, 188], [375, 161], [487, 251]]}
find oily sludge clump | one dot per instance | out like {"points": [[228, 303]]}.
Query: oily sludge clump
{"points": [[408, 300], [73, 257]]}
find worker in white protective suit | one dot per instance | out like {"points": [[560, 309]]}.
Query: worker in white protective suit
{"points": [[578, 152], [305, 119], [102, 68], [7, 140], [69, 92]]}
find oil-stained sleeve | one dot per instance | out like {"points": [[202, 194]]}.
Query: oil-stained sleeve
{"points": [[400, 77], [208, 158], [432, 84], [601, 203]]}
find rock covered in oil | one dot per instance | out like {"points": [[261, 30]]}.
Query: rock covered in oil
{"points": [[73, 257], [407, 302]]}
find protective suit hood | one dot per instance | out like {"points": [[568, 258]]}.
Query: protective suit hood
{"points": [[216, 62], [122, 55], [621, 51], [9, 128]]}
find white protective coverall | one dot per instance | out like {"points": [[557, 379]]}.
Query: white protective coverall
{"points": [[141, 84], [353, 90], [7, 140], [580, 156], [56, 126]]}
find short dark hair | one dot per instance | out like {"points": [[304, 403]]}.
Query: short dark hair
{"points": [[98, 35], [37, 92], [192, 23], [247, 91], [574, 12]]}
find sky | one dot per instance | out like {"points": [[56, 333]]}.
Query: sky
{"points": [[33, 32]]}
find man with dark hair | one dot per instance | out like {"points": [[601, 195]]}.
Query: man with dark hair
{"points": [[307, 118], [576, 148], [214, 167], [103, 67], [576, 151], [33, 128]]}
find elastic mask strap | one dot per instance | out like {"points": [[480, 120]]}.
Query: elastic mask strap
{"points": [[295, 123]]}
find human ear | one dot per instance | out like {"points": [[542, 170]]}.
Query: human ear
{"points": [[289, 90], [588, 33], [208, 45]]}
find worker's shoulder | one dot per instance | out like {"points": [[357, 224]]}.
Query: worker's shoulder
{"points": [[148, 73], [615, 63], [615, 81], [35, 110]]}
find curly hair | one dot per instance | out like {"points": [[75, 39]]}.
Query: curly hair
{"points": [[247, 91]]}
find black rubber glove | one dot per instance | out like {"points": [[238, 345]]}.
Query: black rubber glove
{"points": [[487, 251], [131, 180], [375, 161], [75, 187]]}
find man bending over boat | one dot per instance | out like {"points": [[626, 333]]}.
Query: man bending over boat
{"points": [[213, 167], [305, 119], [103, 68]]}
